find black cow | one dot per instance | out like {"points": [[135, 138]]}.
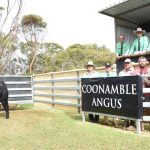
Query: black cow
{"points": [[4, 97]]}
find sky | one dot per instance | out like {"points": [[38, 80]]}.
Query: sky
{"points": [[74, 21]]}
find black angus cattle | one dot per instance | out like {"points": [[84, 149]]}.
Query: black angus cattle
{"points": [[4, 97]]}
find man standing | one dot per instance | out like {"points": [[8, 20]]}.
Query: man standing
{"points": [[91, 73], [122, 47], [128, 71], [141, 43], [143, 70], [108, 73], [127, 68]]}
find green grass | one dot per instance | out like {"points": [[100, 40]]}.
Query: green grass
{"points": [[45, 129], [24, 106]]}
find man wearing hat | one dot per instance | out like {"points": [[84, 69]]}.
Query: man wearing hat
{"points": [[91, 73], [122, 47], [128, 71], [141, 43], [108, 73]]}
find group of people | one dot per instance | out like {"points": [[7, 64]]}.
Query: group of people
{"points": [[128, 70], [140, 44]]}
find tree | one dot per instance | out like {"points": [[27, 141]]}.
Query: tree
{"points": [[47, 58], [9, 17], [32, 28], [51, 48], [76, 56]]}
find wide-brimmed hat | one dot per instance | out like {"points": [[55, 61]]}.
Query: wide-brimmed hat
{"points": [[139, 30], [90, 63]]}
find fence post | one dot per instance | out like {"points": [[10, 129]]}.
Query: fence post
{"points": [[78, 90], [83, 117], [52, 85], [32, 86], [138, 126]]}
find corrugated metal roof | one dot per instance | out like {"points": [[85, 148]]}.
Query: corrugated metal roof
{"points": [[136, 11]]}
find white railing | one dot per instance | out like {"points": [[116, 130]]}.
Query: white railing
{"points": [[19, 88]]}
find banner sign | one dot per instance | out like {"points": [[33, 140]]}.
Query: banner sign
{"points": [[121, 96]]}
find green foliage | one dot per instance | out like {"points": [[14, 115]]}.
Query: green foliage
{"points": [[7, 46], [32, 27], [33, 20], [2, 8], [52, 56], [74, 57], [46, 57], [51, 48]]}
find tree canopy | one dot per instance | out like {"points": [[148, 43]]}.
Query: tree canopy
{"points": [[32, 27], [9, 18], [74, 57], [41, 57]]}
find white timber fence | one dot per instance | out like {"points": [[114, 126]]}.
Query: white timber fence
{"points": [[60, 89]]}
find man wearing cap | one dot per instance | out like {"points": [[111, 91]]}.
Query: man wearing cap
{"points": [[122, 47], [141, 43], [91, 73], [128, 71], [108, 73]]}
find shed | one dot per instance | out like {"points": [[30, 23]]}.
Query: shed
{"points": [[128, 15]]}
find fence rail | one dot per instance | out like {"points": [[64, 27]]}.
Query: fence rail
{"points": [[59, 89], [63, 89], [19, 89]]}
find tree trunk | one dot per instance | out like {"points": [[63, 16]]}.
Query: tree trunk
{"points": [[32, 62]]}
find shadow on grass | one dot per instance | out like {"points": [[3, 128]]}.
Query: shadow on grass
{"points": [[74, 116], [119, 125], [15, 108], [78, 117], [147, 126]]}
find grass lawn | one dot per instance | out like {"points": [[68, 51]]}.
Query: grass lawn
{"points": [[44, 129]]}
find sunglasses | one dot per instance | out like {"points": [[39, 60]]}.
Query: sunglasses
{"points": [[127, 63]]}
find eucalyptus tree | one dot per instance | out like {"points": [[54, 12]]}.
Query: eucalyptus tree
{"points": [[46, 59], [33, 29], [76, 56], [51, 48], [9, 17]]}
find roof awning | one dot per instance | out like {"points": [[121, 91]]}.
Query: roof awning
{"points": [[135, 11]]}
